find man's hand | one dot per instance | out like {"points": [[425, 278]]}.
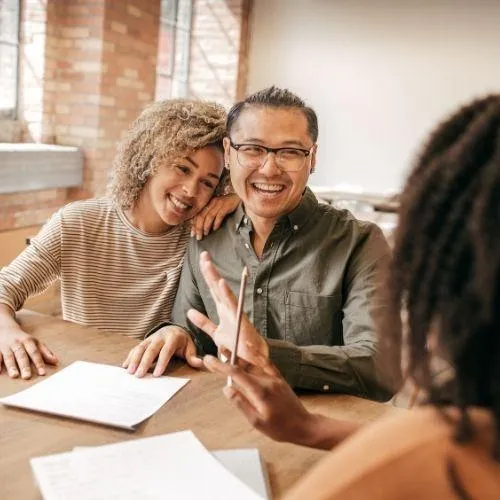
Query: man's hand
{"points": [[226, 303], [161, 347], [212, 216], [18, 350], [267, 401]]}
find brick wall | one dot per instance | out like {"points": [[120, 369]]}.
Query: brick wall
{"points": [[88, 67]]}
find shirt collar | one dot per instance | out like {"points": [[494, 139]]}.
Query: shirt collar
{"points": [[295, 219], [303, 211]]}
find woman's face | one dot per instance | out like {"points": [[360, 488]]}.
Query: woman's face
{"points": [[178, 191]]}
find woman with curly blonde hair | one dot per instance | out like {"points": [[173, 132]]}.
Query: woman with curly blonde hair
{"points": [[119, 257]]}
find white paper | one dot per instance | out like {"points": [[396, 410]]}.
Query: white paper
{"points": [[168, 466], [98, 393], [247, 465]]}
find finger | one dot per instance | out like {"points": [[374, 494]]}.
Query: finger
{"points": [[166, 353], [225, 354], [22, 360], [136, 356], [209, 219], [149, 357], [35, 355], [191, 356], [197, 228], [127, 359], [218, 221], [47, 355], [263, 361], [236, 397], [1, 362], [9, 361], [210, 275], [254, 387], [201, 321], [227, 296]]}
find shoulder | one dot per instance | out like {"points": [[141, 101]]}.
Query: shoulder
{"points": [[344, 222], [217, 242], [90, 208], [378, 453]]}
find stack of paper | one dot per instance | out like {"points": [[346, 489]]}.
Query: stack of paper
{"points": [[98, 393], [168, 466]]}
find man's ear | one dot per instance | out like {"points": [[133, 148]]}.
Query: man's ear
{"points": [[313, 159], [227, 149]]}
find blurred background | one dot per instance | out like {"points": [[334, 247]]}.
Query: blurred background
{"points": [[75, 73]]}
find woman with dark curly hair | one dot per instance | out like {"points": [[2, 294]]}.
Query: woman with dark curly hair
{"points": [[446, 278], [119, 257]]}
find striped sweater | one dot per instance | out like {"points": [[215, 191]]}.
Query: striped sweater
{"points": [[113, 276]]}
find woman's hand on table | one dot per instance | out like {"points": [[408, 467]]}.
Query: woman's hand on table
{"points": [[22, 354]]}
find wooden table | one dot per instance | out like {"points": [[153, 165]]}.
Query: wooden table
{"points": [[200, 406]]}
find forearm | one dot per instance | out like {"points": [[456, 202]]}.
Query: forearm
{"points": [[7, 317], [330, 369], [325, 433]]}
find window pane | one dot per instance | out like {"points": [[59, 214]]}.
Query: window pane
{"points": [[182, 47], [163, 87], [9, 20], [168, 10], [8, 77], [165, 50], [184, 13]]}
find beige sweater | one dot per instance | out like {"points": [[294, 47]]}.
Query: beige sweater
{"points": [[406, 457], [113, 276]]}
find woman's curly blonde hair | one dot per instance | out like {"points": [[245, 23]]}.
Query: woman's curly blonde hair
{"points": [[163, 133]]}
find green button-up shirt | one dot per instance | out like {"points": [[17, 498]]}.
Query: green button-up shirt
{"points": [[311, 295]]}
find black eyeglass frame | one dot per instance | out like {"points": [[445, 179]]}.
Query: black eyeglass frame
{"points": [[306, 152], [268, 150]]}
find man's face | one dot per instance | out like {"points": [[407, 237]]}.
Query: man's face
{"points": [[269, 192]]}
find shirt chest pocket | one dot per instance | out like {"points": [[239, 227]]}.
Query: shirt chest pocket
{"points": [[313, 319]]}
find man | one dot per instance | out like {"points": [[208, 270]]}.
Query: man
{"points": [[313, 269]]}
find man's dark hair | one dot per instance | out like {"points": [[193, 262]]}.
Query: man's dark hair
{"points": [[274, 97], [446, 266]]}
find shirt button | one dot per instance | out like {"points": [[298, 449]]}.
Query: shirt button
{"points": [[295, 228], [247, 246], [326, 387], [236, 226], [245, 220], [259, 290]]}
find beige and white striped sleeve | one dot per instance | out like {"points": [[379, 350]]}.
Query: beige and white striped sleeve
{"points": [[35, 269]]}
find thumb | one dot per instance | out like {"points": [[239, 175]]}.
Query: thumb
{"points": [[47, 354], [202, 322], [190, 355]]}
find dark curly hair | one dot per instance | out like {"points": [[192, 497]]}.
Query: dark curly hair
{"points": [[446, 266]]}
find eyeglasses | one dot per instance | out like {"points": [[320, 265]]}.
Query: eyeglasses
{"points": [[255, 156]]}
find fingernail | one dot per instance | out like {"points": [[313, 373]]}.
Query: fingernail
{"points": [[192, 234], [131, 368], [41, 371], [13, 373], [139, 372], [198, 237]]}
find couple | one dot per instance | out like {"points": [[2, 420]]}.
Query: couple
{"points": [[313, 269]]}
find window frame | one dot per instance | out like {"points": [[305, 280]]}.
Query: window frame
{"points": [[179, 77], [12, 113]]}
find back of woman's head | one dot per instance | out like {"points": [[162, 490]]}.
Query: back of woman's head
{"points": [[165, 131], [446, 268]]}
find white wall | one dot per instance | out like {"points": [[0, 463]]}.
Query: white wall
{"points": [[379, 73]]}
